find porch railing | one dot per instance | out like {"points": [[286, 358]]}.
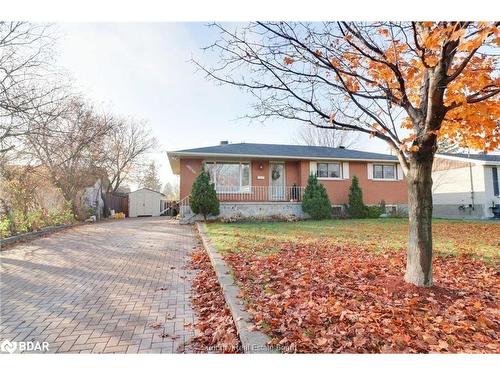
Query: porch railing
{"points": [[252, 194], [262, 194], [184, 208]]}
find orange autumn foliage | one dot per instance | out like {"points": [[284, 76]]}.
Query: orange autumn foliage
{"points": [[215, 329], [342, 293], [469, 122]]}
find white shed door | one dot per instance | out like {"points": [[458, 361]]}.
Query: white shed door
{"points": [[144, 203], [148, 203], [141, 203]]}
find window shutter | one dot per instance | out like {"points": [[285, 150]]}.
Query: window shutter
{"points": [[400, 172], [496, 192], [370, 170], [313, 167], [345, 170]]}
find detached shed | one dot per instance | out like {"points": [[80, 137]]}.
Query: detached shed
{"points": [[145, 202]]}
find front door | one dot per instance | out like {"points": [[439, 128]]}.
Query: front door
{"points": [[277, 182]]}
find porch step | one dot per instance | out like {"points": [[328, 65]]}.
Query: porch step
{"points": [[188, 219]]}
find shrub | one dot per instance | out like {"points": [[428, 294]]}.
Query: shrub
{"points": [[382, 205], [5, 227], [315, 201], [18, 222], [91, 211], [36, 219], [399, 213], [59, 217], [203, 199], [373, 212], [357, 208]]}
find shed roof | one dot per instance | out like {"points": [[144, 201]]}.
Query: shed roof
{"points": [[154, 191]]}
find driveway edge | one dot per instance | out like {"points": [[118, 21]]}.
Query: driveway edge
{"points": [[34, 235], [251, 341]]}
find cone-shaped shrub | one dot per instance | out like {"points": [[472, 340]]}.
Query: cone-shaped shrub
{"points": [[203, 199], [315, 201], [357, 208]]}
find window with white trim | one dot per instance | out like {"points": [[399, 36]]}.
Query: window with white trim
{"points": [[384, 171], [229, 177], [329, 170]]}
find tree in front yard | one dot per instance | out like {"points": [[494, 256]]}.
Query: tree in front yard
{"points": [[357, 208], [315, 201], [203, 199], [410, 84]]}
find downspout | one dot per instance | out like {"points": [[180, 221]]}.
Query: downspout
{"points": [[471, 181]]}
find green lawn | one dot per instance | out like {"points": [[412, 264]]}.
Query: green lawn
{"points": [[451, 237]]}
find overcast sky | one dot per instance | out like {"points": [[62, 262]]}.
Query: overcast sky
{"points": [[143, 71]]}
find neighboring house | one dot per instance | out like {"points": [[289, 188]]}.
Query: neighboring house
{"points": [[465, 186], [256, 180], [146, 202]]}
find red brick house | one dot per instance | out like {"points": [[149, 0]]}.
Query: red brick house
{"points": [[267, 179]]}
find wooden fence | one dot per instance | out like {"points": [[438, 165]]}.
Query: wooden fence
{"points": [[117, 202]]}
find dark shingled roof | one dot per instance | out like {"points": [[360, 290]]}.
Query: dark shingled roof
{"points": [[296, 151], [480, 157]]}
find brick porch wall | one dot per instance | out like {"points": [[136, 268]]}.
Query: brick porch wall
{"points": [[190, 169]]}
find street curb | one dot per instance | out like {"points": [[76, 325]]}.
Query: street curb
{"points": [[251, 341], [33, 235]]}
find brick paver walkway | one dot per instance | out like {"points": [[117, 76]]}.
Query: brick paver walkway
{"points": [[114, 287]]}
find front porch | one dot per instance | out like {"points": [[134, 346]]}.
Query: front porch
{"points": [[254, 202], [262, 194]]}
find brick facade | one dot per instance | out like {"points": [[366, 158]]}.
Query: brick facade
{"points": [[297, 172]]}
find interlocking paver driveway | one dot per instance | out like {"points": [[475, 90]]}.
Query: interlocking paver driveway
{"points": [[113, 287]]}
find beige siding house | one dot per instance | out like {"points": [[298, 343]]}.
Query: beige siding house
{"points": [[466, 186]]}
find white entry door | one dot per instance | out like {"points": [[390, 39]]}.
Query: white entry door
{"points": [[277, 182]]}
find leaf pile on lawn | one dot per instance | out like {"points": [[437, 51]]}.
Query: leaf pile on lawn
{"points": [[216, 331], [322, 297]]}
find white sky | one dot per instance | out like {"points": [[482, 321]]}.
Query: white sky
{"points": [[142, 70]]}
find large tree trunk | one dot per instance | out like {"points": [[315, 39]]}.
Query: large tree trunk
{"points": [[419, 257]]}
